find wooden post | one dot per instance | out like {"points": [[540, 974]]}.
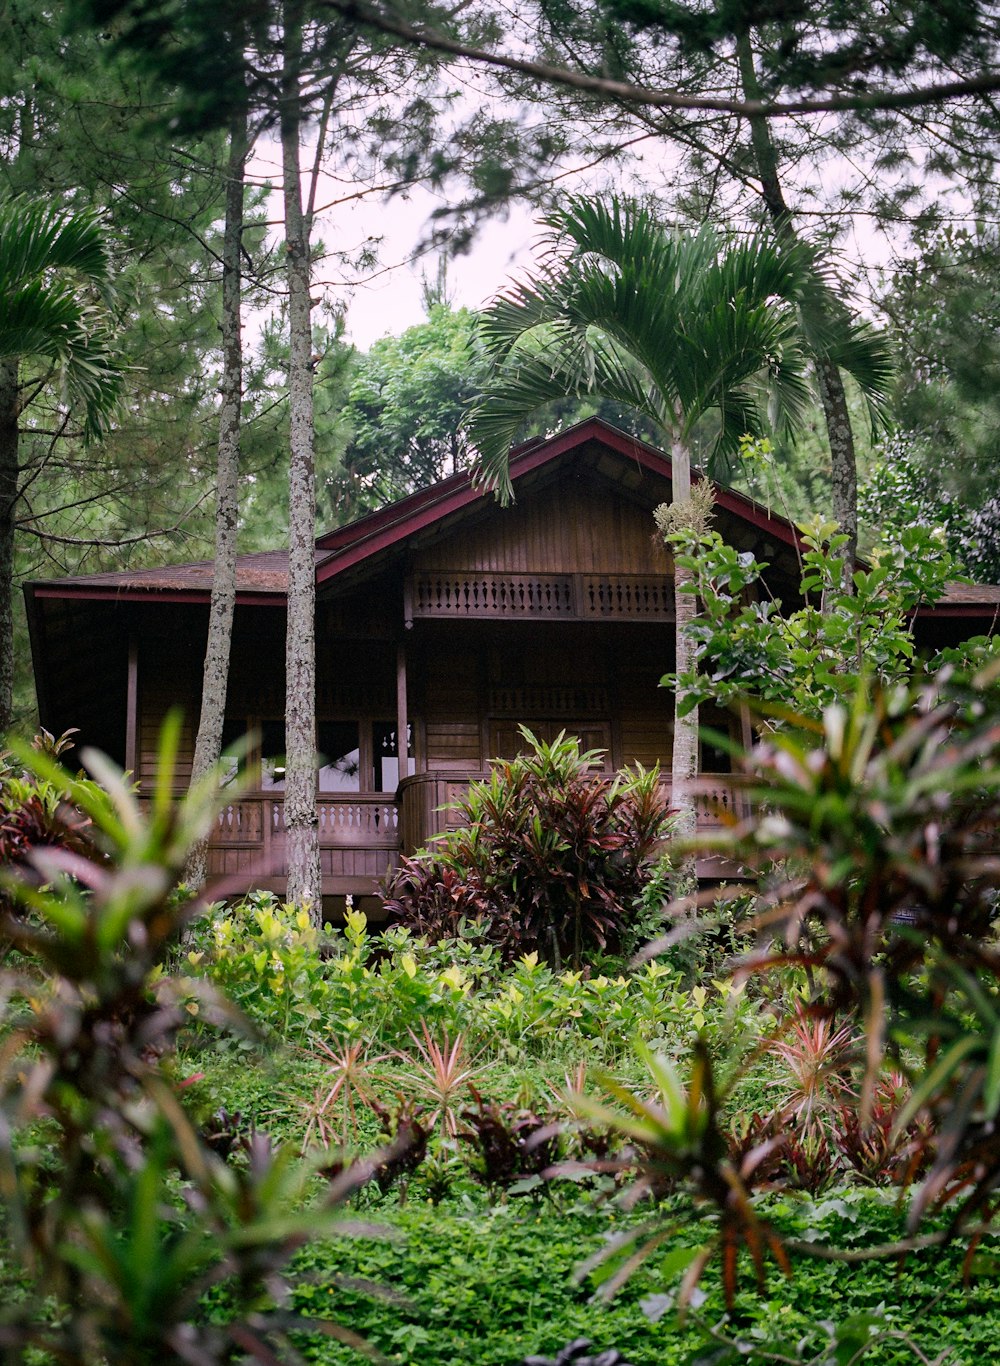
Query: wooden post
{"points": [[132, 709], [402, 720], [746, 740]]}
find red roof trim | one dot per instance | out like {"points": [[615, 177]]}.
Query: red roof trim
{"points": [[348, 546], [92, 593], [351, 545], [936, 610]]}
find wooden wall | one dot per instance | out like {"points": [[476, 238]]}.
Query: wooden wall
{"points": [[566, 528], [472, 681]]}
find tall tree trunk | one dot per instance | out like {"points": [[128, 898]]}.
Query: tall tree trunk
{"points": [[9, 473], [843, 456], [684, 759], [304, 884], [215, 676]]}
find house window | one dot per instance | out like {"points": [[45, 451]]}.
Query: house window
{"points": [[272, 756], [339, 756], [385, 755], [353, 756], [234, 756]]}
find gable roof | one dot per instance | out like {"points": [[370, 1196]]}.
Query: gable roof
{"points": [[364, 544], [263, 577]]}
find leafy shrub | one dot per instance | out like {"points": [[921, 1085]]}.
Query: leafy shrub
{"points": [[267, 958], [877, 850], [35, 813], [700, 941], [512, 1145], [550, 858], [119, 1261], [807, 659]]}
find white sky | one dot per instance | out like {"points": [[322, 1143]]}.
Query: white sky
{"points": [[387, 298], [391, 299]]}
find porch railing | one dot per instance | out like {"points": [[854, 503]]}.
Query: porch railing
{"points": [[361, 836], [470, 594]]}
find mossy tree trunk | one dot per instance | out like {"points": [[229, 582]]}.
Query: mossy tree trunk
{"points": [[304, 879], [215, 675]]}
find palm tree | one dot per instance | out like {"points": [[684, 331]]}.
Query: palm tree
{"points": [[56, 296], [677, 327]]}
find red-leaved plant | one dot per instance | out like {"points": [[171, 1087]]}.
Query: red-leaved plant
{"points": [[549, 859]]}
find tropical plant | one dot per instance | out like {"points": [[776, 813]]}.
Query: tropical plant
{"points": [[34, 812], [879, 879], [332, 1117], [550, 857], [438, 1073], [56, 297], [884, 816], [674, 326], [816, 1056], [511, 1144], [93, 1211]]}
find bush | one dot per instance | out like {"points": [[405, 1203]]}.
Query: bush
{"points": [[120, 1210], [550, 860], [35, 814]]}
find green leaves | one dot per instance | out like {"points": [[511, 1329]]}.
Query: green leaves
{"points": [[813, 657], [670, 325], [549, 859], [56, 293], [93, 1197]]}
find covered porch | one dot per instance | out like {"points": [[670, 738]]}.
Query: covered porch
{"points": [[362, 837]]}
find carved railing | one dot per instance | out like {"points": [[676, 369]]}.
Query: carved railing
{"points": [[360, 836], [625, 597], [474, 594], [359, 821], [257, 821]]}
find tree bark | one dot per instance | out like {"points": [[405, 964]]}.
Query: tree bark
{"points": [[215, 675], [843, 460], [684, 758], [9, 474], [843, 456], [304, 879]]}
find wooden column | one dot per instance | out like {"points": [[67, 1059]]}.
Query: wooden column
{"points": [[402, 719], [132, 709]]}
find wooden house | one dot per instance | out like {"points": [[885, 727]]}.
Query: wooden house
{"points": [[444, 618]]}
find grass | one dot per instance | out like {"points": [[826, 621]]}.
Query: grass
{"points": [[470, 1283], [482, 1287]]}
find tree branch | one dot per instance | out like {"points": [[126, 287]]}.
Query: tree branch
{"points": [[935, 93], [117, 541]]}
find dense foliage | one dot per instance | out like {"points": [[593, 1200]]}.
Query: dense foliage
{"points": [[773, 1116], [96, 1139], [549, 857], [812, 656]]}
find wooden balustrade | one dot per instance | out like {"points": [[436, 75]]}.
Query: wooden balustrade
{"points": [[482, 594], [362, 835], [356, 820], [426, 800], [359, 838]]}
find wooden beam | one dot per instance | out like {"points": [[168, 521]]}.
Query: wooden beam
{"points": [[402, 719], [132, 707]]}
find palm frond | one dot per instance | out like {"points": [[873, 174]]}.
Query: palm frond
{"points": [[867, 356], [36, 238], [671, 325], [55, 290]]}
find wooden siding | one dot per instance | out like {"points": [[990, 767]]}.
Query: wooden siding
{"points": [[169, 676], [569, 528], [444, 676]]}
